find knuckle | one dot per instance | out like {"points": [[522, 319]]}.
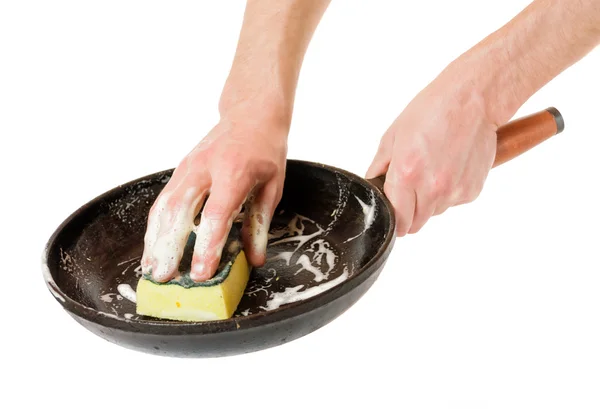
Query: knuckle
{"points": [[235, 158], [223, 205], [233, 168], [409, 172], [232, 177], [216, 210], [266, 169], [245, 172], [406, 170], [440, 185]]}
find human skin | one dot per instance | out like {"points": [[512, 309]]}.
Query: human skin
{"points": [[242, 159], [440, 149], [435, 155]]}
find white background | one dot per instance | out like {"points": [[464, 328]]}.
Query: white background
{"points": [[495, 304]]}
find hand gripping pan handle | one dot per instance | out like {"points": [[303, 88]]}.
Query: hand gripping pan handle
{"points": [[518, 136]]}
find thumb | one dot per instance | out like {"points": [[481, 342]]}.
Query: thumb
{"points": [[382, 159]]}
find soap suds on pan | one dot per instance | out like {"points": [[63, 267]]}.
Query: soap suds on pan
{"points": [[369, 211], [293, 294], [298, 247], [342, 200], [312, 253], [295, 232], [127, 292]]}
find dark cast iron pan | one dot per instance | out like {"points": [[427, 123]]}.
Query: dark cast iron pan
{"points": [[342, 226]]}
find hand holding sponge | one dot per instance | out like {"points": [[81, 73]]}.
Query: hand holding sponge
{"points": [[182, 299]]}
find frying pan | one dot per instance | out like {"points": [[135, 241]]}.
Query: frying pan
{"points": [[329, 240]]}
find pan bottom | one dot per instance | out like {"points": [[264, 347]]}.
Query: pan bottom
{"points": [[330, 237], [302, 261]]}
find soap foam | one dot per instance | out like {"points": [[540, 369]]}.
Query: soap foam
{"points": [[127, 292], [293, 294], [369, 211]]}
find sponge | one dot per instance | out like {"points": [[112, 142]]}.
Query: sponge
{"points": [[182, 299]]}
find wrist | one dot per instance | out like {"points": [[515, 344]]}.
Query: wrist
{"points": [[488, 72], [253, 102], [514, 62], [260, 86]]}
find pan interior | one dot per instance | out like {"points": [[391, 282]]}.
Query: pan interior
{"points": [[328, 225]]}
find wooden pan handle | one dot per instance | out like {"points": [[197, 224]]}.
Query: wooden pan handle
{"points": [[517, 137], [520, 135]]}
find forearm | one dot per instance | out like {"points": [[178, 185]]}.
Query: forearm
{"points": [[271, 47], [543, 40]]}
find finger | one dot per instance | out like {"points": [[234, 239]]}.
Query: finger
{"points": [[470, 191], [431, 191], [403, 200], [381, 162], [175, 225], [478, 166], [458, 194], [257, 219], [159, 212], [152, 229], [222, 206], [404, 174], [424, 209], [441, 208]]}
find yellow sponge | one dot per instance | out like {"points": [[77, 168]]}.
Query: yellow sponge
{"points": [[184, 300]]}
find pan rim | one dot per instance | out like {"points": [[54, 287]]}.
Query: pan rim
{"points": [[262, 318]]}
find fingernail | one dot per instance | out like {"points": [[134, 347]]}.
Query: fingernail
{"points": [[159, 271], [198, 272]]}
